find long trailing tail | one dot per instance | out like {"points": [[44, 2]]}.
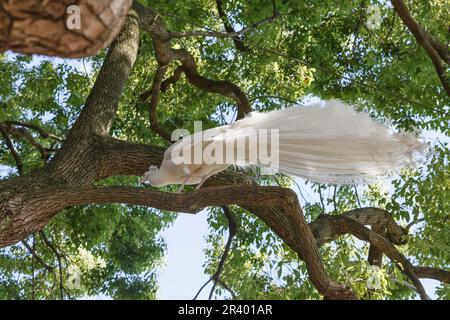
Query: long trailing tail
{"points": [[334, 143]]}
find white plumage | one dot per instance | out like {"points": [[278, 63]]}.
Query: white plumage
{"points": [[328, 144]]}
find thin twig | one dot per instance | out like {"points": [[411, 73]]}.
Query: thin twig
{"points": [[321, 199], [14, 153], [232, 230], [37, 257], [43, 133], [413, 223], [334, 199], [357, 196], [58, 258]]}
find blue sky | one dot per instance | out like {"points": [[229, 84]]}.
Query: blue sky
{"points": [[183, 274]]}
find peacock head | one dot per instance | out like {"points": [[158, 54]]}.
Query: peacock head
{"points": [[150, 176]]}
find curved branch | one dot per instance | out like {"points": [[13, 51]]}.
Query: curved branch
{"points": [[223, 87], [340, 225], [59, 257], [382, 223], [151, 22], [43, 197], [14, 153], [277, 207], [21, 132], [43, 133], [232, 229], [435, 51], [192, 202], [375, 217], [154, 100]]}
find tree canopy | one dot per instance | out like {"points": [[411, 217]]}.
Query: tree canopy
{"points": [[75, 135]]}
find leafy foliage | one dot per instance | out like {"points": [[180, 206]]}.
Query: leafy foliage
{"points": [[314, 49]]}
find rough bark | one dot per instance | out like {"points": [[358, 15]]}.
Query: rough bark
{"points": [[42, 27], [346, 224], [26, 204]]}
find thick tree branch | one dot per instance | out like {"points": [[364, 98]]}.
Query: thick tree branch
{"points": [[277, 207], [223, 87], [100, 109], [102, 103], [47, 27], [29, 211], [192, 202], [151, 22], [340, 225], [382, 223], [433, 273], [431, 45], [253, 198], [375, 217]]}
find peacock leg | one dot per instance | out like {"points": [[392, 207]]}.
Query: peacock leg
{"points": [[181, 188], [201, 182]]}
